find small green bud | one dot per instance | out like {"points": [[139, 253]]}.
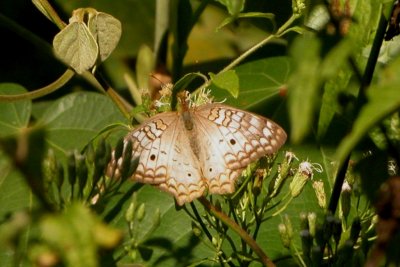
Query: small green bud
{"points": [[355, 230], [50, 166], [196, 230], [59, 176], [312, 222], [298, 6], [257, 183], [214, 241], [141, 211], [90, 153], [119, 148], [337, 230], [133, 254], [71, 169], [345, 199], [100, 150], [156, 218], [283, 173], [130, 213], [320, 193], [328, 226], [82, 172], [304, 221], [288, 224], [283, 233]]}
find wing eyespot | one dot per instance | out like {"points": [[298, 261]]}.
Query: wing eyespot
{"points": [[232, 141], [152, 157]]}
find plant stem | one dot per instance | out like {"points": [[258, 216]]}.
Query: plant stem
{"points": [[52, 14], [361, 100], [260, 44], [235, 227], [60, 82]]}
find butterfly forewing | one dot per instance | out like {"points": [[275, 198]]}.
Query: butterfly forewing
{"points": [[233, 139], [211, 153]]}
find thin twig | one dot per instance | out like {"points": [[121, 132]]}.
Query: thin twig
{"points": [[235, 227]]}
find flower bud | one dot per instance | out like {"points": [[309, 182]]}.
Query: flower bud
{"points": [[320, 193], [304, 221], [71, 166], [283, 172], [130, 213], [141, 211], [303, 174], [355, 229], [312, 221], [156, 218], [81, 172], [258, 182], [119, 148], [337, 230], [196, 230], [284, 235], [345, 199]]}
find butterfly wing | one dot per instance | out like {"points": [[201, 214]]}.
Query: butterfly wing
{"points": [[234, 138], [165, 157]]}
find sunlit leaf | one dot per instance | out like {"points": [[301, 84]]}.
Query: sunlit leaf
{"points": [[261, 83], [303, 86], [106, 30], [227, 80], [144, 66], [76, 46]]}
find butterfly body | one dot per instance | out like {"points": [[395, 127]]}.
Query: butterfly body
{"points": [[199, 148]]}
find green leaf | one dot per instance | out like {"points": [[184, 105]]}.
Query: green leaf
{"points": [[106, 30], [229, 20], [304, 85], [383, 99], [76, 46], [260, 83], [234, 6], [14, 192], [15, 115], [144, 66], [72, 121], [227, 80]]}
